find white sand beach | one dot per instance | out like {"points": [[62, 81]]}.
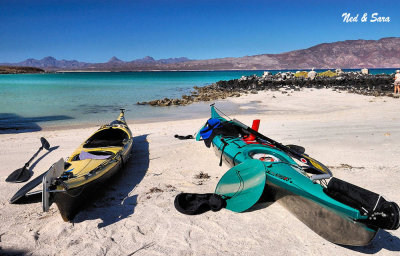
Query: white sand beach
{"points": [[357, 136]]}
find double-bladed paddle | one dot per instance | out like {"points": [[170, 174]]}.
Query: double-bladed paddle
{"points": [[288, 149], [23, 174]]}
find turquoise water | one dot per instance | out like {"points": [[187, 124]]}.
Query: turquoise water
{"points": [[64, 99]]}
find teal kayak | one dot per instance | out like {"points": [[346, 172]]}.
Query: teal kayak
{"points": [[338, 211]]}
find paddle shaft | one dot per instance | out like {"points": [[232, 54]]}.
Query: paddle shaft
{"points": [[309, 161], [33, 157]]}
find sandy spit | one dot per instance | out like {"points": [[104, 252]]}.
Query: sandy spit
{"points": [[358, 136]]}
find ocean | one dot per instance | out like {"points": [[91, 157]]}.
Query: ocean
{"points": [[31, 102]]}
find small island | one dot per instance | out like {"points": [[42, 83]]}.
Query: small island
{"points": [[19, 70]]}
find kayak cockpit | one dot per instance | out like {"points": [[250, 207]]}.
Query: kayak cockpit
{"points": [[108, 137]]}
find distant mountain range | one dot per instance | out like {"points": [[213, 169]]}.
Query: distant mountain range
{"points": [[380, 53], [51, 63]]}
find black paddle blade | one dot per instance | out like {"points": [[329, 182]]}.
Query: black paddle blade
{"points": [[19, 175], [45, 143], [23, 192], [297, 148]]}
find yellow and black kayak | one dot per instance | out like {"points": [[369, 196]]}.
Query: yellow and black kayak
{"points": [[72, 183]]}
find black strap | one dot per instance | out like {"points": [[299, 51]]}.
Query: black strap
{"points": [[182, 137], [122, 162], [222, 151], [234, 164], [238, 146]]}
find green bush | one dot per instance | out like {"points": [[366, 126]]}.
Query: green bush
{"points": [[301, 74], [328, 73]]}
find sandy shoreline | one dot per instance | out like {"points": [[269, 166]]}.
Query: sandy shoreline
{"points": [[358, 136], [172, 113]]}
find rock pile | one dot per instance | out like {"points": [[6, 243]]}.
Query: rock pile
{"points": [[207, 93], [354, 82]]}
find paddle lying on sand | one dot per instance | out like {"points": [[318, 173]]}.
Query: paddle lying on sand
{"points": [[237, 190], [23, 174], [24, 191], [242, 185]]}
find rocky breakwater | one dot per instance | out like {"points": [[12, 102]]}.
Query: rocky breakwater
{"points": [[353, 82], [206, 93]]}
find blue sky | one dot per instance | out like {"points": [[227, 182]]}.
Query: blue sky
{"points": [[94, 31]]}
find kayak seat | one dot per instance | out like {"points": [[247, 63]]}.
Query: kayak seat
{"points": [[99, 155], [107, 138]]}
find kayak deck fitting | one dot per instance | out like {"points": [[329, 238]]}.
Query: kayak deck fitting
{"points": [[70, 185], [338, 211]]}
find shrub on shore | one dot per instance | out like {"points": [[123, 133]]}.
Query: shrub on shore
{"points": [[327, 73], [301, 74]]}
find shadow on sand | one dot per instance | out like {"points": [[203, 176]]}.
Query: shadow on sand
{"points": [[40, 158], [383, 240], [13, 252], [12, 123], [118, 200]]}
